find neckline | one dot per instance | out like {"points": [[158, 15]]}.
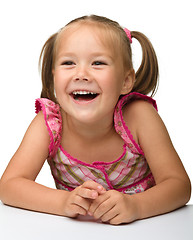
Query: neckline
{"points": [[96, 163]]}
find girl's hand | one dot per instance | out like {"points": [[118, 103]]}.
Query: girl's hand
{"points": [[79, 200], [114, 207]]}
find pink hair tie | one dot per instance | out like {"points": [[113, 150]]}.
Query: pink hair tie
{"points": [[128, 34]]}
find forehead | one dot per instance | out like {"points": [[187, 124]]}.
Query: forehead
{"points": [[77, 32]]}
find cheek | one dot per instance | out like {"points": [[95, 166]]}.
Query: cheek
{"points": [[59, 79], [106, 78], [113, 84]]}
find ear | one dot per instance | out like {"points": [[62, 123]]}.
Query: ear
{"points": [[128, 82]]}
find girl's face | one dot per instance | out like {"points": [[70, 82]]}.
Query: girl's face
{"points": [[88, 77]]}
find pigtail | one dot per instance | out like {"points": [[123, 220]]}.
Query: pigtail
{"points": [[147, 74], [46, 65]]}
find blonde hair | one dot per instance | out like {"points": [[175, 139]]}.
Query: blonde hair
{"points": [[146, 77]]}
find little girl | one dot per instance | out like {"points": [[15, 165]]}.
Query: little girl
{"points": [[109, 152]]}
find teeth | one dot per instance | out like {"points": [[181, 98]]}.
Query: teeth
{"points": [[82, 92]]}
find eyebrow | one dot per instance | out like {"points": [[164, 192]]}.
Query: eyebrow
{"points": [[94, 54]]}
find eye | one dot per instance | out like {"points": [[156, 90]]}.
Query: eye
{"points": [[68, 63], [98, 63]]}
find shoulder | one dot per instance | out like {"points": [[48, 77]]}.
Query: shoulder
{"points": [[33, 149], [32, 152], [143, 114], [135, 107], [37, 131], [139, 115], [150, 130], [138, 108]]}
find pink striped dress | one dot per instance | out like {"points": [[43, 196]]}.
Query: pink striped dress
{"points": [[129, 174]]}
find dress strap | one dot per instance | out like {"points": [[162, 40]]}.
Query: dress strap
{"points": [[53, 121], [120, 125]]}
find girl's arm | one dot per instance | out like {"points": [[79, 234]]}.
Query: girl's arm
{"points": [[173, 188], [17, 185]]}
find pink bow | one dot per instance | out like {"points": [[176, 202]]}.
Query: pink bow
{"points": [[128, 34]]}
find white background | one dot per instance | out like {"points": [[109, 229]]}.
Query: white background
{"points": [[26, 25]]}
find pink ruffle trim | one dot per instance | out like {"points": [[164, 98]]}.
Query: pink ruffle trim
{"points": [[53, 120]]}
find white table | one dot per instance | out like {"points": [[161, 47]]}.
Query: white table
{"points": [[18, 224]]}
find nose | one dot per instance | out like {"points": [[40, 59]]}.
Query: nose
{"points": [[82, 73]]}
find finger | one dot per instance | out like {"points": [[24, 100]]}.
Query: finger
{"points": [[103, 209], [109, 215], [99, 206], [116, 220], [81, 202], [94, 186], [87, 193], [95, 204]]}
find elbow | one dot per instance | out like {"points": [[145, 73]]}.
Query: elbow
{"points": [[1, 191], [188, 188], [185, 190]]}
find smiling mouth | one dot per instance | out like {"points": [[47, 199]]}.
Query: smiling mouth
{"points": [[84, 95]]}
